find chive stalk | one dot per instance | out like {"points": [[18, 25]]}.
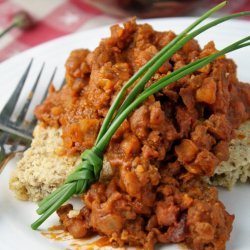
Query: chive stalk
{"points": [[169, 53], [156, 59], [88, 171], [162, 83]]}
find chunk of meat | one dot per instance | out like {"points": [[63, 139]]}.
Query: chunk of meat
{"points": [[204, 164], [166, 213], [157, 116], [85, 129], [130, 145], [201, 137], [184, 120], [186, 151], [76, 64], [221, 150], [131, 183], [219, 126], [139, 121], [209, 226], [207, 92], [77, 226]]}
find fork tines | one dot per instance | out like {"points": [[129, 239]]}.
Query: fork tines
{"points": [[24, 110], [21, 127]]}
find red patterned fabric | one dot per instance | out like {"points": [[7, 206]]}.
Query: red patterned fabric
{"points": [[60, 17]]}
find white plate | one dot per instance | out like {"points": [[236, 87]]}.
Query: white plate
{"points": [[16, 216]]}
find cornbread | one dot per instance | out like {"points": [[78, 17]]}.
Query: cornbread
{"points": [[42, 168], [237, 167]]}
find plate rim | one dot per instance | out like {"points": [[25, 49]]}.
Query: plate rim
{"points": [[151, 21], [102, 29]]}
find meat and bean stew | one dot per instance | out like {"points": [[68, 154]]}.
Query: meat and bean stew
{"points": [[162, 151]]}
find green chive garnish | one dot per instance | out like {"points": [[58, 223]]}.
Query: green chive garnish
{"points": [[88, 171]]}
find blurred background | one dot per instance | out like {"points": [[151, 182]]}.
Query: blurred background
{"points": [[27, 23]]}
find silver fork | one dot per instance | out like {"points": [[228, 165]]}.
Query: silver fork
{"points": [[18, 132], [10, 145]]}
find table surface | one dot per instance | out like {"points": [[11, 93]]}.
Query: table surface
{"points": [[61, 17]]}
